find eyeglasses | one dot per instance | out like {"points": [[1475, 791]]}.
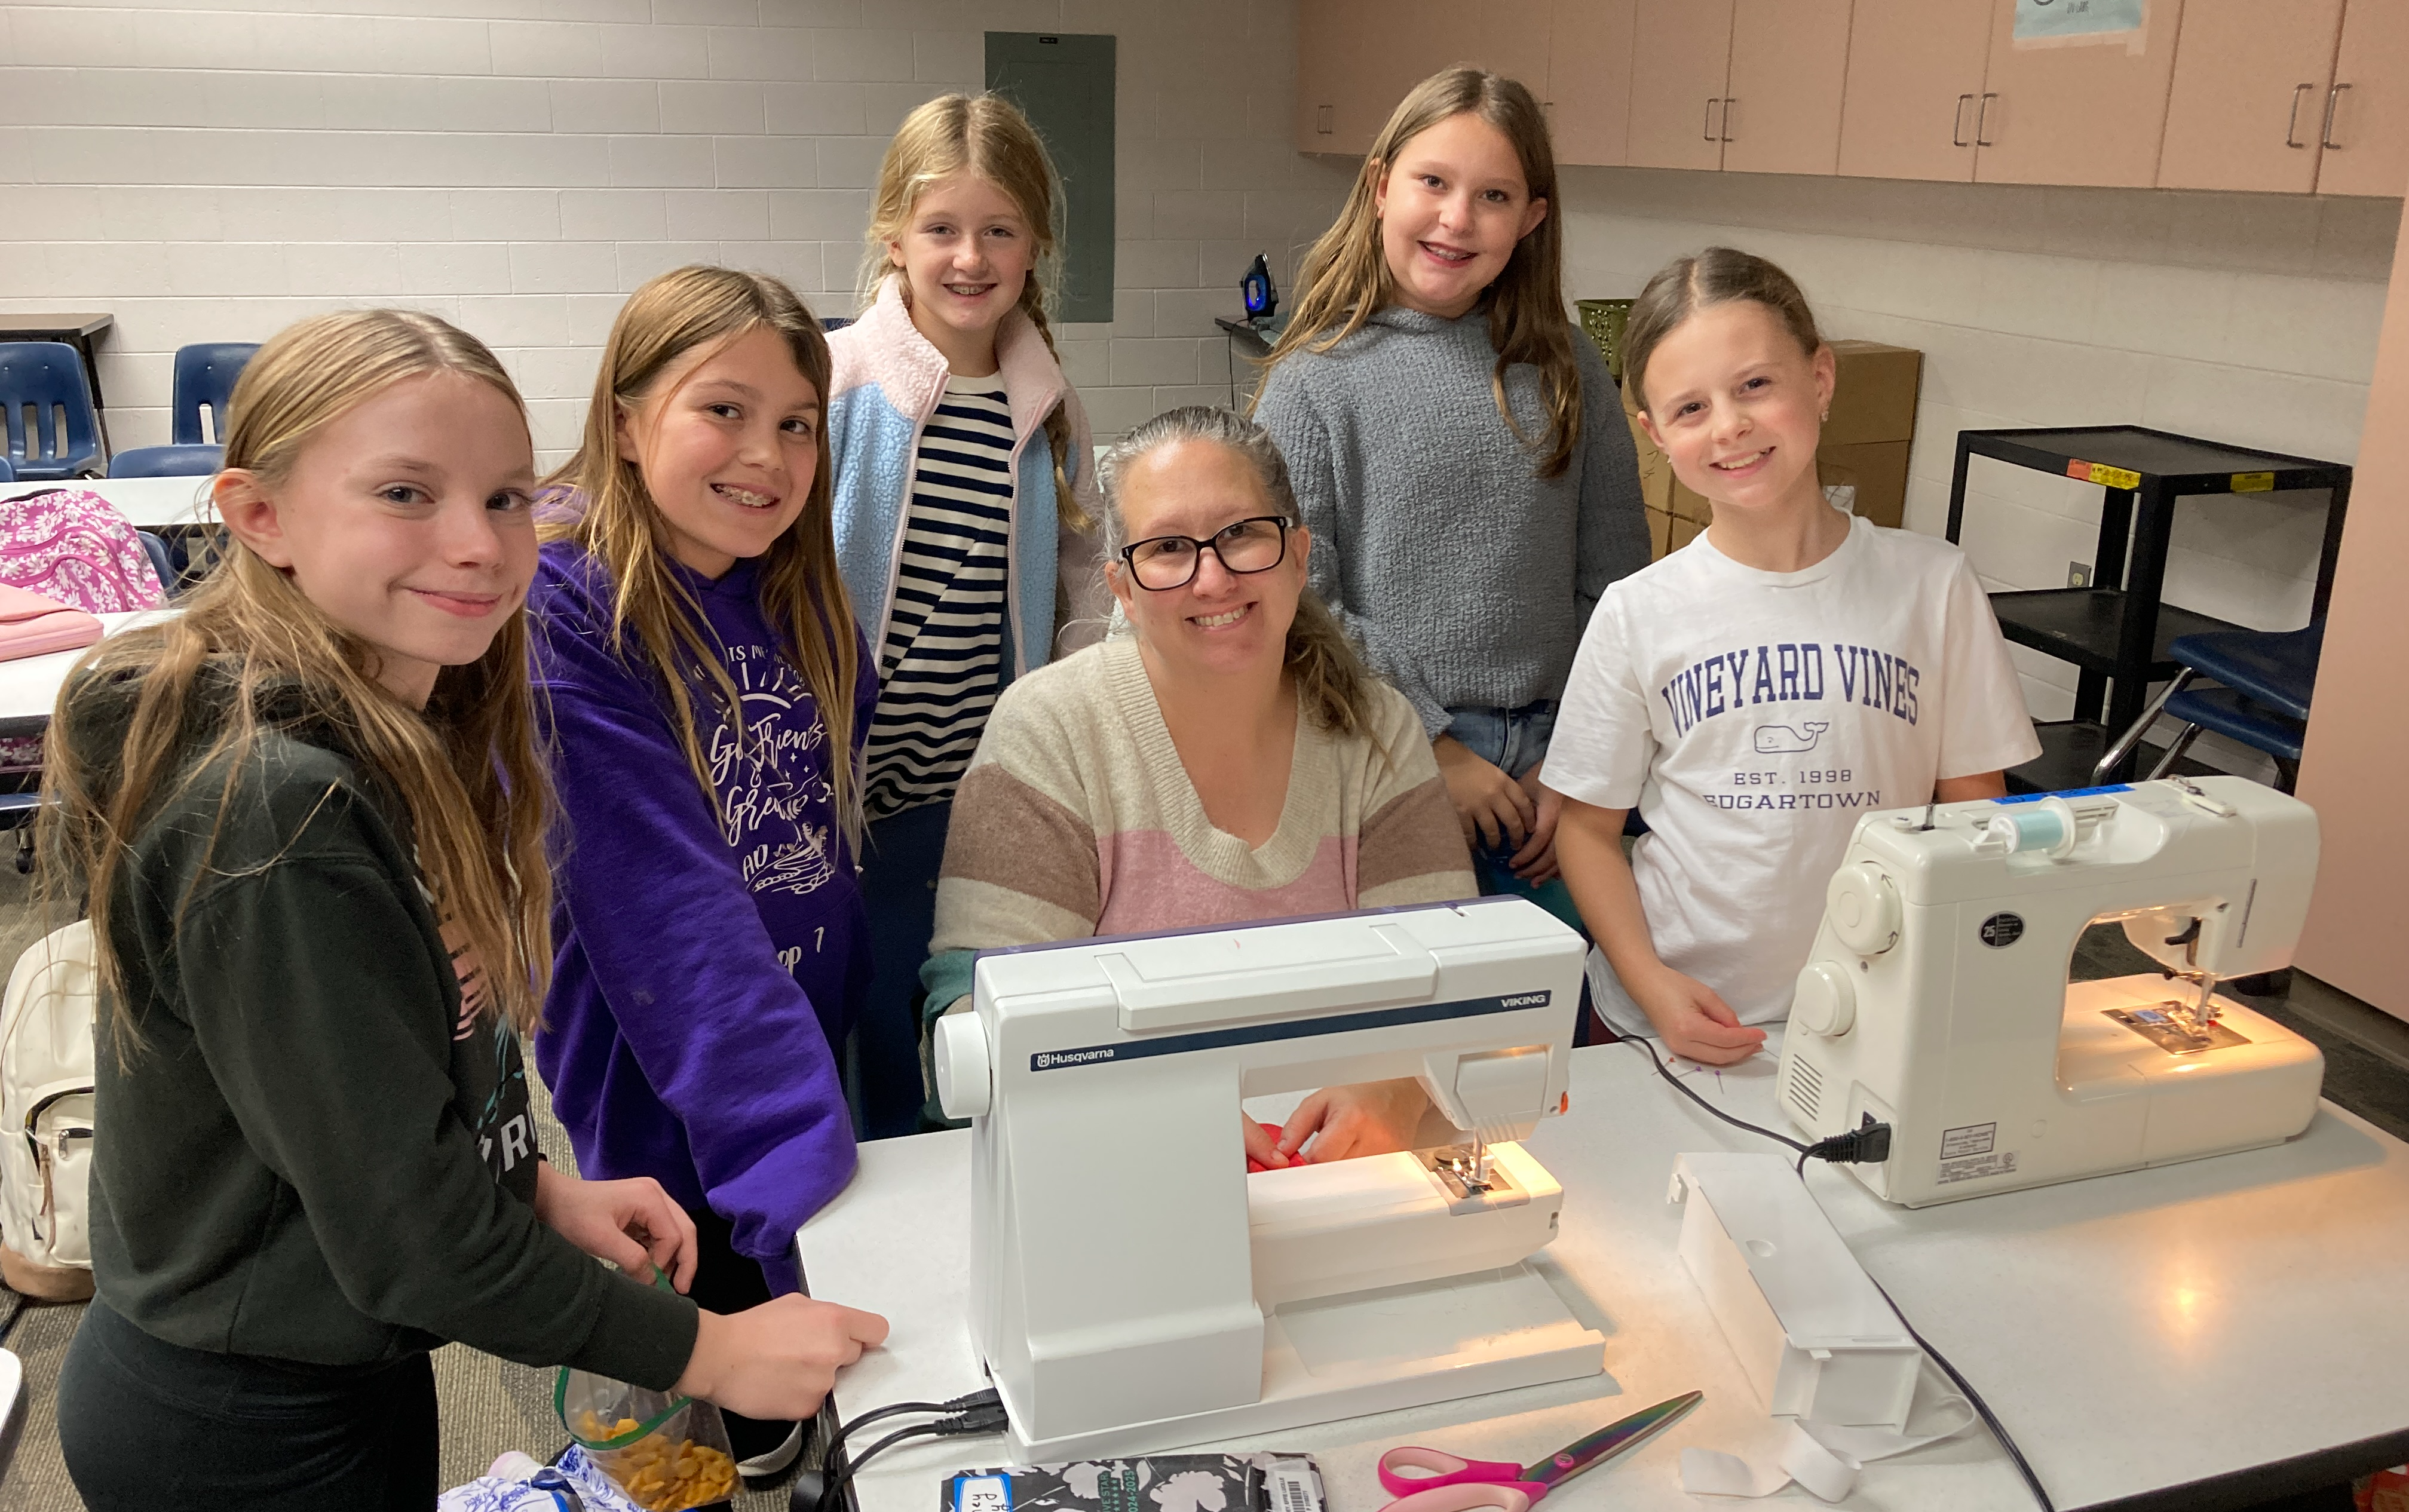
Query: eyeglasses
{"points": [[1163, 563]]}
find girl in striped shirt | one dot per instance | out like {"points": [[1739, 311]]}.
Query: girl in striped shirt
{"points": [[964, 511]]}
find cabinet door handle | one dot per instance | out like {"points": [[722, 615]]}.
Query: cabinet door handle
{"points": [[1321, 119], [1958, 123], [2292, 121], [2333, 98], [1708, 132], [1724, 134], [1982, 122]]}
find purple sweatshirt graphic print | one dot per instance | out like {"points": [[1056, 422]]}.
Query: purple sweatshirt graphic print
{"points": [[708, 952]]}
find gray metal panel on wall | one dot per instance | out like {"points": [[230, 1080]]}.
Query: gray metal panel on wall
{"points": [[1064, 84]]}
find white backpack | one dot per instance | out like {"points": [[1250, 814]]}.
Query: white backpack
{"points": [[46, 1104]]}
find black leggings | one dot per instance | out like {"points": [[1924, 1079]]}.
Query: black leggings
{"points": [[150, 1426]]}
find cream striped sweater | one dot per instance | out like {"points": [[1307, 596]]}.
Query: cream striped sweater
{"points": [[1077, 818]]}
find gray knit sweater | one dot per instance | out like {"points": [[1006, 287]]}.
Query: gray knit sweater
{"points": [[1466, 578]]}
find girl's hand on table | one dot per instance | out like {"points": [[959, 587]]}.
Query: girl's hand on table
{"points": [[776, 1361], [1694, 1019], [630, 1223], [1493, 807], [1359, 1118]]}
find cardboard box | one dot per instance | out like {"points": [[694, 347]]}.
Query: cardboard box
{"points": [[1877, 470], [1865, 445], [1660, 534], [1875, 397]]}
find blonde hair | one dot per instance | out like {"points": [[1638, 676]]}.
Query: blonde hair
{"points": [[1717, 276], [1337, 689], [464, 769], [621, 526], [1346, 279], [988, 136]]}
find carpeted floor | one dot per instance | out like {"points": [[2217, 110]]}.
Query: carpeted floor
{"points": [[490, 1406]]}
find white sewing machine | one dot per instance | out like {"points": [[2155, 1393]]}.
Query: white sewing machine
{"points": [[1936, 999], [1133, 1287]]}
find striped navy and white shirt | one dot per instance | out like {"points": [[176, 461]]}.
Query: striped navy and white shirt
{"points": [[941, 668]]}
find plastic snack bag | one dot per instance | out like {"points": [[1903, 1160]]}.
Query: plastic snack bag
{"points": [[667, 1453], [2386, 1491]]}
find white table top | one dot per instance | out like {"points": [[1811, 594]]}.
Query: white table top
{"points": [[2135, 1332], [149, 503], [29, 685]]}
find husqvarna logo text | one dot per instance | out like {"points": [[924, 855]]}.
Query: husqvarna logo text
{"points": [[1048, 1060]]}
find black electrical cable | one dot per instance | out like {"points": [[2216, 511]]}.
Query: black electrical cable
{"points": [[1861, 1144], [980, 1412], [1990, 1418], [1675, 1083]]}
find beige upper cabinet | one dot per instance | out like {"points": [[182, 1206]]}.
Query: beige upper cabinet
{"points": [[1914, 87], [2250, 88], [1781, 106], [2365, 128], [1680, 59], [2088, 114], [1589, 79], [1341, 52], [1356, 58]]}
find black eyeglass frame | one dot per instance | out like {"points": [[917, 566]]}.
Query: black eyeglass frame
{"points": [[1205, 543]]}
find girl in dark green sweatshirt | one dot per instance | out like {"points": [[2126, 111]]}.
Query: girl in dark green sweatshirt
{"points": [[309, 818]]}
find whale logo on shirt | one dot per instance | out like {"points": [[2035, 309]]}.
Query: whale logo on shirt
{"points": [[1785, 739]]}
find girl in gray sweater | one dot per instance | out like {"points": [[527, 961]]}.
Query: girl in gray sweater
{"points": [[1459, 454]]}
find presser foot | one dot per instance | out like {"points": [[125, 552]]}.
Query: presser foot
{"points": [[1475, 1182], [2172, 1028]]}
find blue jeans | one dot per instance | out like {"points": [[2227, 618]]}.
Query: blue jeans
{"points": [[1514, 740], [899, 887]]}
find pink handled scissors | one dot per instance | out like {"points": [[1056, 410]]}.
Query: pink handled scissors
{"points": [[1449, 1484]]}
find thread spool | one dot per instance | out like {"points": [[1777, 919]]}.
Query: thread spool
{"points": [[2049, 826]]}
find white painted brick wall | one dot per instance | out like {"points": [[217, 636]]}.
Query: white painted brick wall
{"points": [[212, 169], [2242, 318]]}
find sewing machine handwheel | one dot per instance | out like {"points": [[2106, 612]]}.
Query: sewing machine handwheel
{"points": [[1826, 1002], [1862, 906], [965, 1082]]}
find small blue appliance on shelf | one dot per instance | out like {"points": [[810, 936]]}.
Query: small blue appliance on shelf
{"points": [[1262, 300]]}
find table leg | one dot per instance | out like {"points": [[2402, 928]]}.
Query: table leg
{"points": [[2138, 625], [1957, 486], [99, 404], [2337, 505]]}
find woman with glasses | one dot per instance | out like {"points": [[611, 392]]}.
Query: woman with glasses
{"points": [[1229, 759]]}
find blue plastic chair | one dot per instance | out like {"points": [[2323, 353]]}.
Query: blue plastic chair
{"points": [[835, 323], [167, 462], [163, 561], [8, 473], [2266, 678], [205, 375], [44, 382]]}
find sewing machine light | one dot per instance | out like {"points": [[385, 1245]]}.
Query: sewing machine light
{"points": [[1862, 903]]}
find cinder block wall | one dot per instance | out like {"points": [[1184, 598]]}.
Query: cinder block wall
{"points": [[211, 170]]}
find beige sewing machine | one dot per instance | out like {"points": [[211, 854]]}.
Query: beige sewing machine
{"points": [[1134, 1288], [1936, 999]]}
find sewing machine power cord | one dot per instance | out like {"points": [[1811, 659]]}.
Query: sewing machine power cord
{"points": [[1868, 1145], [980, 1412]]}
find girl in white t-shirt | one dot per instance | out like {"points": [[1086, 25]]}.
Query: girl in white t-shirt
{"points": [[1755, 692]]}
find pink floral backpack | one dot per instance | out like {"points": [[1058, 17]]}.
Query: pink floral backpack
{"points": [[68, 544]]}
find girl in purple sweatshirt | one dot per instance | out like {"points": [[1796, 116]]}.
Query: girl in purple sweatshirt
{"points": [[709, 960]]}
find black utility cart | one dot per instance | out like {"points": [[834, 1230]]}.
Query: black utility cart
{"points": [[2116, 632]]}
